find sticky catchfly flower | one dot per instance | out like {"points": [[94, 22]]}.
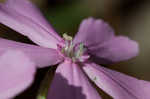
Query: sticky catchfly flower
{"points": [[94, 42]]}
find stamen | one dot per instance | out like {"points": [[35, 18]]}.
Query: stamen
{"points": [[80, 51], [67, 37], [75, 52]]}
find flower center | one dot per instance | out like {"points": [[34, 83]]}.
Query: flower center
{"points": [[76, 52]]}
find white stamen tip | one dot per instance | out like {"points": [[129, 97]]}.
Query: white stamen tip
{"points": [[67, 37]]}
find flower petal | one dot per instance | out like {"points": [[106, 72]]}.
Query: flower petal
{"points": [[93, 32], [27, 24], [118, 85], [41, 56], [26, 8], [71, 83], [117, 49], [16, 73]]}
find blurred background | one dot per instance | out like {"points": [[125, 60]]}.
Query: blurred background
{"points": [[127, 17]]}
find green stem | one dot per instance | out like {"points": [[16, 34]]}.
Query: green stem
{"points": [[43, 91]]}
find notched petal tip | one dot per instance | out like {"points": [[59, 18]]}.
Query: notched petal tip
{"points": [[93, 31], [129, 47], [119, 48]]}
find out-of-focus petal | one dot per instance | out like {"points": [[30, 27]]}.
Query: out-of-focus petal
{"points": [[117, 49], [117, 85], [16, 73], [41, 56], [93, 32], [71, 83], [24, 24]]}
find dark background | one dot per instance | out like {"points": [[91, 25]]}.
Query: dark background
{"points": [[127, 17]]}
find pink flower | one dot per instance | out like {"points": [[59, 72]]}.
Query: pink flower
{"points": [[94, 42]]}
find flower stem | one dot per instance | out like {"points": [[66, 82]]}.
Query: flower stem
{"points": [[45, 84]]}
